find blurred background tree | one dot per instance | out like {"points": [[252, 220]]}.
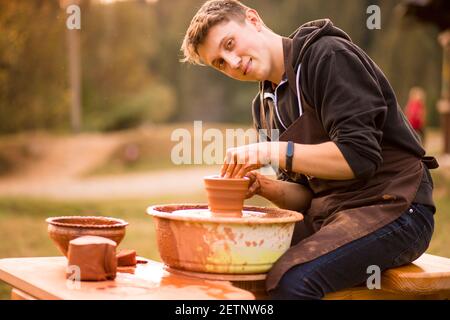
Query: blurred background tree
{"points": [[33, 86], [131, 73]]}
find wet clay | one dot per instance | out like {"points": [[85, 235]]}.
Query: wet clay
{"points": [[226, 196], [126, 258], [95, 258], [200, 213]]}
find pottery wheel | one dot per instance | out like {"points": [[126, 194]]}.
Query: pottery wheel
{"points": [[218, 276], [252, 215]]}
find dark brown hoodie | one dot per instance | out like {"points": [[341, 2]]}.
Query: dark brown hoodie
{"points": [[354, 100], [332, 91]]}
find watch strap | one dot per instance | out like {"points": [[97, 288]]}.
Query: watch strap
{"points": [[289, 156]]}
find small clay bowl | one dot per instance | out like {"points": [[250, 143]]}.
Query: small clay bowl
{"points": [[64, 229], [226, 195]]}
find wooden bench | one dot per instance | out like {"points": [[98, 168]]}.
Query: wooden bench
{"points": [[428, 277]]}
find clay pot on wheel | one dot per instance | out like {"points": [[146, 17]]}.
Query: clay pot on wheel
{"points": [[226, 196], [64, 229]]}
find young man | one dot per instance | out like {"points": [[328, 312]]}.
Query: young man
{"points": [[348, 158]]}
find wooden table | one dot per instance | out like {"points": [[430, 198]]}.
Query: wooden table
{"points": [[44, 278]]}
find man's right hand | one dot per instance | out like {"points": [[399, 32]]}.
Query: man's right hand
{"points": [[284, 194]]}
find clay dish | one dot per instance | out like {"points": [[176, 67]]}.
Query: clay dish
{"points": [[63, 229], [226, 196]]}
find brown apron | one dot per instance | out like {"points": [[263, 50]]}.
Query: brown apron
{"points": [[345, 210]]}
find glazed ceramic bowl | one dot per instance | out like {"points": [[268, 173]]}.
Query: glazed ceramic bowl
{"points": [[190, 238], [226, 196], [64, 229]]}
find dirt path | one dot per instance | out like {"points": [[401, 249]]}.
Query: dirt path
{"points": [[60, 163], [59, 157], [124, 186]]}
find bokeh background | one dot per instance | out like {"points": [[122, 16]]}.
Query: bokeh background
{"points": [[114, 158]]}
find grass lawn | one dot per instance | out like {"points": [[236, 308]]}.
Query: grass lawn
{"points": [[23, 231]]}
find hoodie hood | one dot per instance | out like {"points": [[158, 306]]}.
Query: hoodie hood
{"points": [[299, 41], [309, 33]]}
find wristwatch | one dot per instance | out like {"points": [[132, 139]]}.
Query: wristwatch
{"points": [[289, 156]]}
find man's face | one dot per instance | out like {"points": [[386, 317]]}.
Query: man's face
{"points": [[238, 50]]}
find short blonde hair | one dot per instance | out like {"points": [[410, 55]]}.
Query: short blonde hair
{"points": [[210, 14]]}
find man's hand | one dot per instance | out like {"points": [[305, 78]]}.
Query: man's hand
{"points": [[284, 194], [254, 185], [239, 161]]}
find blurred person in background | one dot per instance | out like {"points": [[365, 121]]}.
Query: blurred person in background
{"points": [[415, 111]]}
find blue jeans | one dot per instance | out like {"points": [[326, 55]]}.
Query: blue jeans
{"points": [[398, 243]]}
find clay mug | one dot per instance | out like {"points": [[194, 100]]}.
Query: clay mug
{"points": [[226, 195]]}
